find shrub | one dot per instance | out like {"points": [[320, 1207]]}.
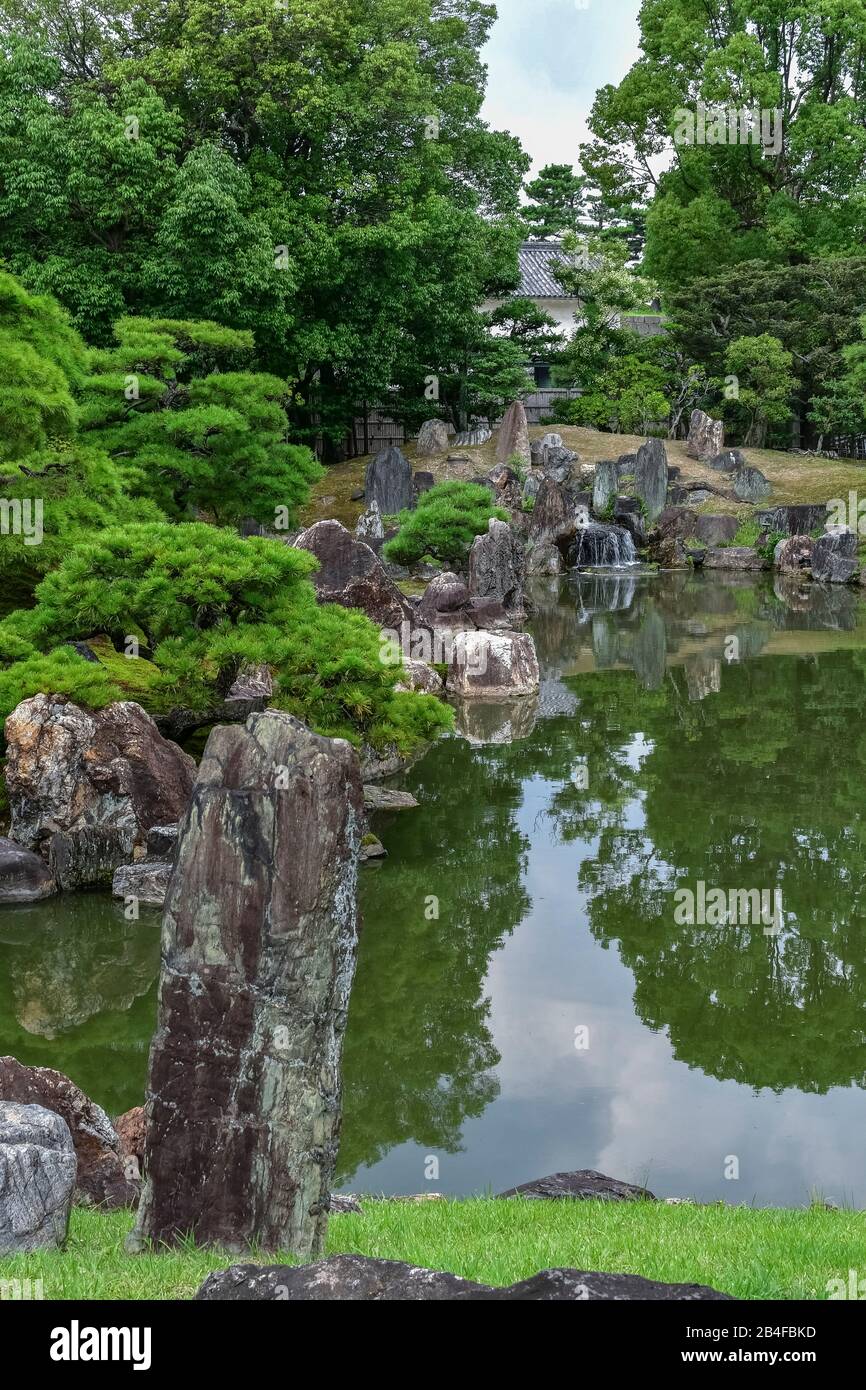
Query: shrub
{"points": [[444, 524]]}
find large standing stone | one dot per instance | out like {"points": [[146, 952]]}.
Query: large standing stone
{"points": [[23, 876], [388, 481], [651, 477], [834, 557], [706, 436], [750, 485], [605, 485], [493, 665], [553, 516], [514, 436], [37, 1178], [497, 567], [101, 1179], [85, 787], [360, 1278], [432, 438], [370, 527], [259, 941], [350, 573]]}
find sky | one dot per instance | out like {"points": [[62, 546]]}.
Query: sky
{"points": [[546, 59]]}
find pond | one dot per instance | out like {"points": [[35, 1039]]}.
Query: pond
{"points": [[529, 995]]}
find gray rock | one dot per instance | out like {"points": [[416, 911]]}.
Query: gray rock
{"points": [[715, 529], [728, 461], [651, 477], [146, 881], [472, 438], [358, 1278], [260, 934], [388, 481], [584, 1183], [559, 464], [351, 574], [37, 1178], [497, 568], [531, 484], [553, 517], [834, 557], [432, 438], [371, 848], [514, 435], [447, 603], [706, 436], [346, 1202], [420, 678], [23, 876], [734, 557], [370, 527], [422, 481], [605, 485], [493, 665], [795, 520], [543, 559], [793, 554], [86, 786], [387, 799], [750, 485], [161, 840]]}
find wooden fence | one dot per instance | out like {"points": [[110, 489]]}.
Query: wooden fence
{"points": [[374, 430]]}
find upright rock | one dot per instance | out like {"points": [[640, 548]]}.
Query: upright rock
{"points": [[259, 941], [85, 787], [37, 1178], [651, 477], [388, 481], [514, 436], [350, 573], [834, 557], [432, 438], [605, 485], [497, 567], [750, 485], [370, 527], [493, 665], [706, 436]]}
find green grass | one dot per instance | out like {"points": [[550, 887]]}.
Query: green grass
{"points": [[751, 1253]]}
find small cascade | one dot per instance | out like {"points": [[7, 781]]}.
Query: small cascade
{"points": [[597, 545]]}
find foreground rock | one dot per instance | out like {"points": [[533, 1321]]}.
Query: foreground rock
{"points": [[357, 1278], [514, 436], [85, 787], [834, 557], [447, 604], [146, 882], [102, 1178], [350, 573], [493, 666], [259, 941], [388, 481], [37, 1178], [584, 1184], [23, 876], [432, 438], [706, 436], [497, 568]]}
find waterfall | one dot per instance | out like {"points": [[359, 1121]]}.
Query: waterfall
{"points": [[601, 545]]}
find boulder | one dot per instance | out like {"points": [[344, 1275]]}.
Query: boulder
{"points": [[514, 435], [543, 559], [553, 517], [798, 519], [793, 554], [651, 477], [360, 1278], [86, 786], [493, 665], [497, 568], [422, 481], [37, 1178], [370, 527], [432, 438], [834, 557], [750, 485], [260, 934], [728, 461], [23, 875], [447, 604], [101, 1178], [420, 677], [715, 529], [131, 1128], [388, 481], [161, 840], [584, 1183], [605, 485], [706, 436], [670, 553], [146, 881], [734, 557], [531, 484], [507, 487], [351, 574], [473, 437], [387, 799]]}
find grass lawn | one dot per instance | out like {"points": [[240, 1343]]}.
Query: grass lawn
{"points": [[769, 1253]]}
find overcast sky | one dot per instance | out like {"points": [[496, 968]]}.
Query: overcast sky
{"points": [[546, 59]]}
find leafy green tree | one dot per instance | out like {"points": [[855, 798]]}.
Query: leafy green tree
{"points": [[532, 329], [761, 369], [555, 201], [444, 524], [190, 430], [42, 360], [841, 409], [203, 604], [628, 396], [597, 272]]}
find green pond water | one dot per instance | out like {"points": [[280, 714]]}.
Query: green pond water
{"points": [[527, 998]]}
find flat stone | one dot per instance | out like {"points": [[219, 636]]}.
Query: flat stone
{"points": [[37, 1178], [734, 557], [584, 1184], [387, 799], [358, 1278]]}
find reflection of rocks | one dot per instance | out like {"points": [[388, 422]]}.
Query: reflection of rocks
{"points": [[490, 722], [703, 676], [649, 650]]}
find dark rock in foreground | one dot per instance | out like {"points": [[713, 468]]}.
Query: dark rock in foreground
{"points": [[356, 1278], [350, 573], [259, 940], [23, 876], [584, 1184]]}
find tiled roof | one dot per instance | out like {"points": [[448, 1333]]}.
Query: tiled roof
{"points": [[537, 280]]}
